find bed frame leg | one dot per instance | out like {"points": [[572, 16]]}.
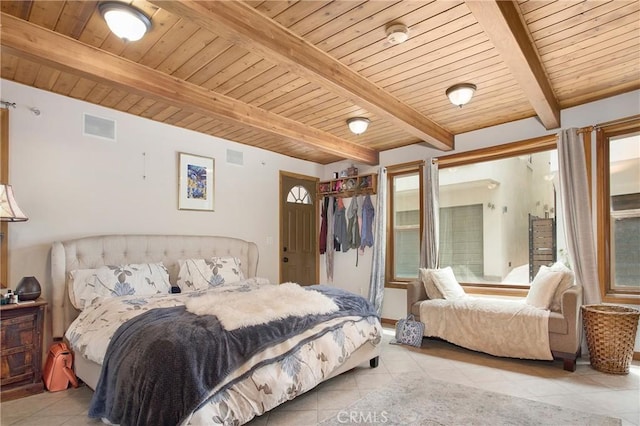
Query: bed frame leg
{"points": [[373, 362]]}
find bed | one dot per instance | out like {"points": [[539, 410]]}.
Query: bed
{"points": [[332, 343]]}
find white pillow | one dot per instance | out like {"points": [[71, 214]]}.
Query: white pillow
{"points": [[543, 287], [79, 278], [429, 285], [229, 267], [144, 279], [201, 274], [567, 281], [446, 282]]}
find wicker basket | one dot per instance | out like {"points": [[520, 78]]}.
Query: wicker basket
{"points": [[611, 334]]}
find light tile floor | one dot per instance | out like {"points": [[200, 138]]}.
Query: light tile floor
{"points": [[586, 389]]}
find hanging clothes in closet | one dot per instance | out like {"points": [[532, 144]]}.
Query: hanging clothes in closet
{"points": [[353, 228], [340, 227], [322, 238], [368, 213], [330, 244]]}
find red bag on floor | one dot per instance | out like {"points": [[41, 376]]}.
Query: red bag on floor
{"points": [[58, 371]]}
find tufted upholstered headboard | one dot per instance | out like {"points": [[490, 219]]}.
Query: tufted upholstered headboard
{"points": [[93, 252]]}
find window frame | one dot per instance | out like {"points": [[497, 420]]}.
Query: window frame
{"points": [[604, 133], [393, 171], [498, 152]]}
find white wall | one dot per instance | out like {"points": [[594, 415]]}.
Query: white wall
{"points": [[72, 185]]}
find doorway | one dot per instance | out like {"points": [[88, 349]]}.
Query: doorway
{"points": [[298, 229]]}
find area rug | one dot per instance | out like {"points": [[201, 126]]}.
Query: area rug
{"points": [[418, 401]]}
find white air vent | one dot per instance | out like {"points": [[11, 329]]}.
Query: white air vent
{"points": [[103, 128], [235, 157]]}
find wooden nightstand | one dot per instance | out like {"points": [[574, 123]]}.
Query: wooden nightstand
{"points": [[21, 349]]}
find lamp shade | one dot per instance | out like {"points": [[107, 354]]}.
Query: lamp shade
{"points": [[460, 94], [124, 20], [28, 289], [358, 125], [9, 210]]}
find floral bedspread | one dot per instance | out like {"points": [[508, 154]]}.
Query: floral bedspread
{"points": [[91, 332], [273, 384], [248, 391]]}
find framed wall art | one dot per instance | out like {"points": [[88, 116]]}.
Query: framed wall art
{"points": [[196, 190]]}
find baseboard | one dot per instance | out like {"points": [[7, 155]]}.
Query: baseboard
{"points": [[388, 321]]}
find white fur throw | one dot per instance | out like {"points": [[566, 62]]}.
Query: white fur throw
{"points": [[242, 309]]}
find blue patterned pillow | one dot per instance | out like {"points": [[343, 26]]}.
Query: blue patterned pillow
{"points": [[144, 279]]}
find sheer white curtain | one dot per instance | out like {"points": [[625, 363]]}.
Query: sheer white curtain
{"points": [[574, 190], [376, 281], [431, 213]]}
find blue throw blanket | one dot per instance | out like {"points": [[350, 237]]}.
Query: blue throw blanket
{"points": [[161, 365]]}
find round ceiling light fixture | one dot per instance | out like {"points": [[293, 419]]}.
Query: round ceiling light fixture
{"points": [[124, 20], [460, 94], [358, 125], [397, 33]]}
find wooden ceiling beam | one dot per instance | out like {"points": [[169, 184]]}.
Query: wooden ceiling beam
{"points": [[501, 22], [248, 28], [29, 41]]}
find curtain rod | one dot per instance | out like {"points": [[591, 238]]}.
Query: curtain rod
{"points": [[618, 121], [587, 129]]}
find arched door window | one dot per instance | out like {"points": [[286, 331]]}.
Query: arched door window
{"points": [[299, 194]]}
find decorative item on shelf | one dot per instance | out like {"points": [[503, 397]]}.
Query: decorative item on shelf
{"points": [[28, 289], [460, 94], [351, 184], [365, 182], [352, 171], [348, 186]]}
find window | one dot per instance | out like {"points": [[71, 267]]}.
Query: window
{"points": [[498, 215], [299, 195], [404, 221], [618, 151]]}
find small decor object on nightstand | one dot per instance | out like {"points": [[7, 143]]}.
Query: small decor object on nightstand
{"points": [[28, 289]]}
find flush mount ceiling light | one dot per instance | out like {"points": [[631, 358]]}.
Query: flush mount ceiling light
{"points": [[397, 33], [358, 125], [460, 94], [124, 20]]}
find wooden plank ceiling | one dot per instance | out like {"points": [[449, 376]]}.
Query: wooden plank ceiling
{"points": [[286, 75]]}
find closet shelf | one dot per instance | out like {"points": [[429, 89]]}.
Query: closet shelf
{"points": [[349, 186]]}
